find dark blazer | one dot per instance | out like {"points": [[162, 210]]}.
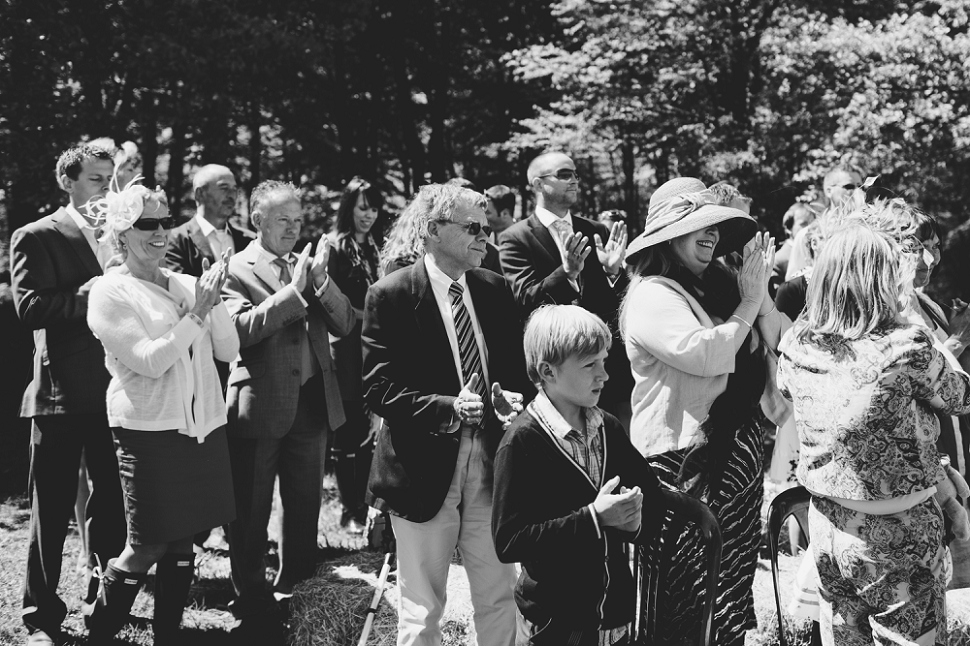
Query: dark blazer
{"points": [[410, 380], [187, 247], [541, 518], [264, 385], [50, 262], [533, 266], [491, 261]]}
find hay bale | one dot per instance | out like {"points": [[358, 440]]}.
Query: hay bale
{"points": [[329, 609]]}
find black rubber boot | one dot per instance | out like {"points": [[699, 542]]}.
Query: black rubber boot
{"points": [[110, 612], [173, 578]]}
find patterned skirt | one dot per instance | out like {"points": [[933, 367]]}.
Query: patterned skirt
{"points": [[737, 508]]}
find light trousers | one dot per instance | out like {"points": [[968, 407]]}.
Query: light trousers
{"points": [[424, 552]]}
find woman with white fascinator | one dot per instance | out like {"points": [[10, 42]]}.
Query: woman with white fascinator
{"points": [[160, 332], [696, 335]]}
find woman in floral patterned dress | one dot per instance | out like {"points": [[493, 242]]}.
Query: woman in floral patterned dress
{"points": [[865, 386]]}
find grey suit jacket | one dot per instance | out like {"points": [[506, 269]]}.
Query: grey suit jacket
{"points": [[264, 384], [50, 261]]}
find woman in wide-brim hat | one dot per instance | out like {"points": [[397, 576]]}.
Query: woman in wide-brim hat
{"points": [[696, 333]]}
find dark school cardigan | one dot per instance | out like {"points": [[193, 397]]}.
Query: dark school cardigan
{"points": [[541, 518]]}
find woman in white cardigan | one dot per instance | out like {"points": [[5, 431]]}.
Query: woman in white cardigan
{"points": [[160, 332], [694, 332]]}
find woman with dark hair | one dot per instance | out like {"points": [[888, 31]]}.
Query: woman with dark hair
{"points": [[161, 332], [696, 335], [354, 265]]}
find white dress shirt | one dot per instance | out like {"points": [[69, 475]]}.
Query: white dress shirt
{"points": [[218, 240], [560, 228], [101, 251], [440, 284]]}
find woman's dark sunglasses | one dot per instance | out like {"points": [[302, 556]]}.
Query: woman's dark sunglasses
{"points": [[151, 224], [472, 227]]}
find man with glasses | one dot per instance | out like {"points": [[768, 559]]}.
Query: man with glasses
{"points": [[839, 184], [555, 256], [441, 340], [54, 264], [210, 233]]}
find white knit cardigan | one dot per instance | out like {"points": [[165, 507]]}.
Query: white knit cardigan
{"points": [[160, 360]]}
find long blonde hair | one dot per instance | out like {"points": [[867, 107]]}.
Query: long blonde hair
{"points": [[855, 287]]}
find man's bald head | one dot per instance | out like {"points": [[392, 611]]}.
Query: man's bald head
{"points": [[547, 163], [214, 189]]}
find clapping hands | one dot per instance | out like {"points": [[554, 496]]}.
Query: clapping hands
{"points": [[611, 254], [208, 288], [622, 510], [507, 404]]}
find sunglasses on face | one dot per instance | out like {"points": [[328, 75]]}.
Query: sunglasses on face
{"points": [[473, 228], [849, 187], [152, 224], [564, 174]]}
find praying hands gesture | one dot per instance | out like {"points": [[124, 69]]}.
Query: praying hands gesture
{"points": [[611, 254]]}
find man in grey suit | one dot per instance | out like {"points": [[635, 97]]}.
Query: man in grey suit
{"points": [[55, 262], [283, 398]]}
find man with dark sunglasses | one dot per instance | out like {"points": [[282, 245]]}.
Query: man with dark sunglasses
{"points": [[839, 184], [555, 256], [55, 262], [441, 340]]}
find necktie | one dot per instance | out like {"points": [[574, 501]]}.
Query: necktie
{"points": [[285, 275], [308, 362], [562, 231], [471, 359]]}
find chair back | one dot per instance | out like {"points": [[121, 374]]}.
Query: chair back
{"points": [[682, 511], [791, 502]]}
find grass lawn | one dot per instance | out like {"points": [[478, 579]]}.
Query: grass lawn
{"points": [[328, 610]]}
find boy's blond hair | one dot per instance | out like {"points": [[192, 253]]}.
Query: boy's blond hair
{"points": [[556, 332]]}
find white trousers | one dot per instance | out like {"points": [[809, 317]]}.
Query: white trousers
{"points": [[424, 552]]}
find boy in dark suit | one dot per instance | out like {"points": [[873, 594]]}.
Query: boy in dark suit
{"points": [[561, 504]]}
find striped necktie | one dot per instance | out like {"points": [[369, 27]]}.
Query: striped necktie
{"points": [[471, 359], [285, 275]]}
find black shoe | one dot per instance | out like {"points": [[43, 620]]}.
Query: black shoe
{"points": [[106, 616], [173, 578]]}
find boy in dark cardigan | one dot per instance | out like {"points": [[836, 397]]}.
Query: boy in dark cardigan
{"points": [[570, 490]]}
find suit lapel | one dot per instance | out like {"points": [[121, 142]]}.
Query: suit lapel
{"points": [[64, 223], [430, 325], [265, 273], [201, 242], [543, 240]]}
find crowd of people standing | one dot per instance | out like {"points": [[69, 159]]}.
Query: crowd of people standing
{"points": [[521, 391]]}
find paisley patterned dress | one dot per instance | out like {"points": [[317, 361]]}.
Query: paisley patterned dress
{"points": [[865, 414]]}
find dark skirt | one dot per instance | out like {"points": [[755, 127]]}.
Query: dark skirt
{"points": [[737, 508], [174, 486]]}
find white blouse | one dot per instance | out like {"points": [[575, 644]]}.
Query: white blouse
{"points": [[163, 375]]}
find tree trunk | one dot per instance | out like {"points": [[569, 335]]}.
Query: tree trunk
{"points": [[176, 164], [631, 196]]}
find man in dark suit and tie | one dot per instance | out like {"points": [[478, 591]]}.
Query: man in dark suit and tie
{"points": [[441, 339], [209, 234], [547, 258], [283, 398], [55, 262]]}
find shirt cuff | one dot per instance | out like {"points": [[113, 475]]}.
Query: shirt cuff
{"points": [[320, 290], [596, 522]]}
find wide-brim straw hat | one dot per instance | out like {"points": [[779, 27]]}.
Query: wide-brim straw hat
{"points": [[684, 205]]}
